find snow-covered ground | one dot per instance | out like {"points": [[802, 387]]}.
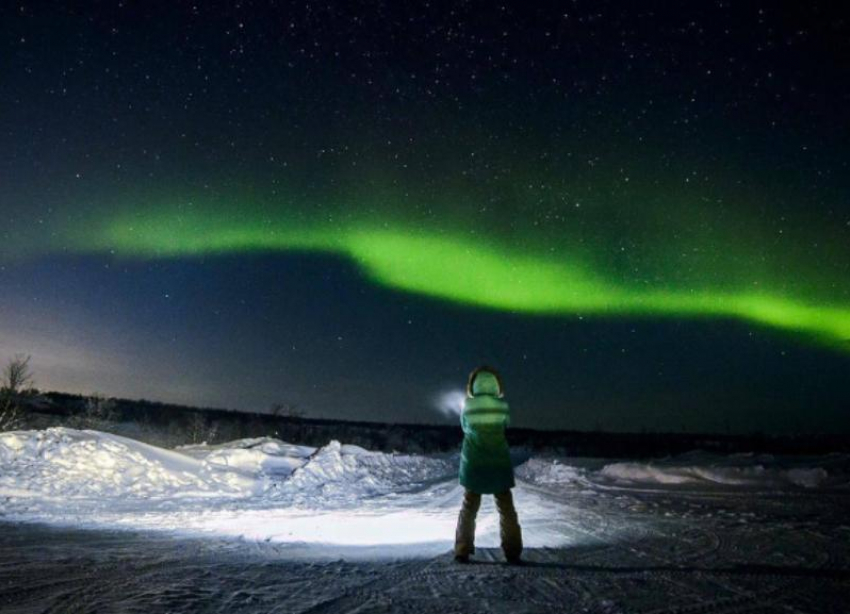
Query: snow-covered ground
{"points": [[683, 525]]}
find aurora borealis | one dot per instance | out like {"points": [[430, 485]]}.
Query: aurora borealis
{"points": [[641, 213], [483, 274]]}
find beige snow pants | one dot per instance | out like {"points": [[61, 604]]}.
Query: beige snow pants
{"points": [[508, 522]]}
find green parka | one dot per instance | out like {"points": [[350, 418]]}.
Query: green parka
{"points": [[485, 463]]}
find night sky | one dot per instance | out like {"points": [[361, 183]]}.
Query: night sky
{"points": [[639, 212]]}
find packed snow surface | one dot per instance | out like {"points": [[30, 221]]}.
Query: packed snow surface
{"points": [[259, 525], [338, 495]]}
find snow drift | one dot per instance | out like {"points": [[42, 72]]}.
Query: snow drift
{"points": [[255, 457], [737, 470], [694, 470], [257, 489], [62, 463], [337, 495]]}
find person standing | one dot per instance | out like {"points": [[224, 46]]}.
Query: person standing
{"points": [[485, 464]]}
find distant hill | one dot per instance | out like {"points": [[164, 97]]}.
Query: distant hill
{"points": [[168, 424]]}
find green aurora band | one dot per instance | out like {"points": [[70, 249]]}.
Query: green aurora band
{"points": [[468, 269]]}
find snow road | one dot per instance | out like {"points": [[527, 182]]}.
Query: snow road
{"points": [[100, 523]]}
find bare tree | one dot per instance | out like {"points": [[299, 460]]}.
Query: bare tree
{"points": [[17, 378], [99, 409], [286, 410], [201, 429], [17, 375], [10, 413]]}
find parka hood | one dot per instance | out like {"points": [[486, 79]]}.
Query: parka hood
{"points": [[486, 383]]}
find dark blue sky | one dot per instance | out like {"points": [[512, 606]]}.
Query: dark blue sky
{"points": [[250, 331], [681, 150]]}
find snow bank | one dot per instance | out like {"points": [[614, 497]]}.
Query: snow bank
{"points": [[337, 495], [255, 457], [39, 469], [259, 489], [62, 465], [737, 470], [340, 475], [69, 464], [42, 470], [553, 472], [695, 469]]}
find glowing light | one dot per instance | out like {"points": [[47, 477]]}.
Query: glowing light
{"points": [[403, 524], [478, 271], [341, 528], [450, 402]]}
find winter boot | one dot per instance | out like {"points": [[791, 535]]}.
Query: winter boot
{"points": [[465, 534], [509, 527]]}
